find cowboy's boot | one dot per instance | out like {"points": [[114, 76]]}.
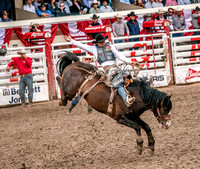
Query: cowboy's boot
{"points": [[23, 102], [30, 101], [130, 101], [70, 108]]}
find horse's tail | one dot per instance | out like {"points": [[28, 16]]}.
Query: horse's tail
{"points": [[64, 61]]}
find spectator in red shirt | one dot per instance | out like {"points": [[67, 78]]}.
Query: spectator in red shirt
{"points": [[24, 64]]}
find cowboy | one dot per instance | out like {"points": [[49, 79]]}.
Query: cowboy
{"points": [[195, 17], [24, 64], [119, 28], [34, 27], [94, 23], [178, 22], [106, 55], [86, 59]]}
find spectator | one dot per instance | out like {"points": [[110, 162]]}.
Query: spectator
{"points": [[105, 7], [68, 4], [183, 2], [150, 4], [178, 22], [42, 12], [28, 6], [170, 3], [169, 17], [159, 3], [4, 17], [61, 10], [24, 64], [139, 3], [94, 23], [161, 15], [5, 5], [195, 17], [52, 7], [36, 4], [119, 28], [133, 26], [34, 28], [77, 8], [94, 7]]}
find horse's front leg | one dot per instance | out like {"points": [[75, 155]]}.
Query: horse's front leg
{"points": [[127, 122], [147, 129]]}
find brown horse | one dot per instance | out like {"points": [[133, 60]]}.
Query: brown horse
{"points": [[73, 76]]}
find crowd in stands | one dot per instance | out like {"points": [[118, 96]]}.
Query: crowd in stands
{"points": [[158, 3], [67, 7]]}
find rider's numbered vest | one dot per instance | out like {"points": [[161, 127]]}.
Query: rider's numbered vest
{"points": [[105, 54]]}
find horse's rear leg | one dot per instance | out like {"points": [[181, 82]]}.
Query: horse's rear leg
{"points": [[147, 129], [127, 122], [63, 101]]}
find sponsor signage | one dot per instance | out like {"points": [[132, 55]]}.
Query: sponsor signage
{"points": [[10, 95], [187, 74]]}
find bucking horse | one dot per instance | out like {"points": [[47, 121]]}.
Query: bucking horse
{"points": [[87, 80]]}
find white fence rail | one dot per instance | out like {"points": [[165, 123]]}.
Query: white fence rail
{"points": [[186, 57], [9, 81]]}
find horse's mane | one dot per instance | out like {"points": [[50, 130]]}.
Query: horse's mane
{"points": [[150, 96]]}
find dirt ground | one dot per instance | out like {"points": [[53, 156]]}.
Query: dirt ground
{"points": [[44, 136]]}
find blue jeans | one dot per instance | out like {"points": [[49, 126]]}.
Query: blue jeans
{"points": [[122, 93], [177, 35], [24, 82], [120, 41], [75, 101]]}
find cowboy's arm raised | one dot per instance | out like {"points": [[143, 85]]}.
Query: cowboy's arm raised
{"points": [[85, 47]]}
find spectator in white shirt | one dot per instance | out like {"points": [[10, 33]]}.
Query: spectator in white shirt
{"points": [[150, 4], [105, 7], [28, 6]]}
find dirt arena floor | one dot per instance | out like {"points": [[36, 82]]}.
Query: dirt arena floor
{"points": [[44, 136]]}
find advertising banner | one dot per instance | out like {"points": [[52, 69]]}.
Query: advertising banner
{"points": [[10, 94]]}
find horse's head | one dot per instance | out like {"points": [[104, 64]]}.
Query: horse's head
{"points": [[163, 112]]}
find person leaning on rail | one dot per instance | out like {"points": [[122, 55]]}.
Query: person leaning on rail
{"points": [[106, 55], [24, 64]]}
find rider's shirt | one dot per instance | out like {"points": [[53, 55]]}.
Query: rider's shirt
{"points": [[93, 50]]}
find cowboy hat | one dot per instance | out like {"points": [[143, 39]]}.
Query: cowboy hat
{"points": [[161, 11], [94, 2], [118, 16], [131, 14], [99, 38], [35, 25], [87, 57], [197, 8], [178, 9], [42, 5], [22, 51], [94, 16], [4, 12]]}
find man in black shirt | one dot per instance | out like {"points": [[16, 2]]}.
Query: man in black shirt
{"points": [[95, 23]]}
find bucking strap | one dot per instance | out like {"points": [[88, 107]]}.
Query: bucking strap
{"points": [[110, 103]]}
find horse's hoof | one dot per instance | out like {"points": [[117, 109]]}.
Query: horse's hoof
{"points": [[151, 151]]}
